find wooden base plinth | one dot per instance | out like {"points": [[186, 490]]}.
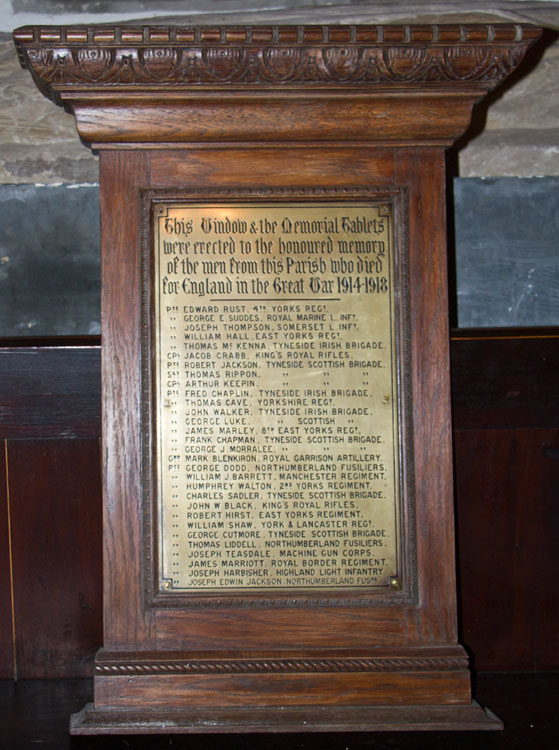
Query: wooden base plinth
{"points": [[260, 720], [409, 689]]}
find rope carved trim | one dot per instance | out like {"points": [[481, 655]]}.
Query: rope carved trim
{"points": [[254, 666]]}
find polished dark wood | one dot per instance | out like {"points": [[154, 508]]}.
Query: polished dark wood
{"points": [[506, 436], [35, 713], [50, 510], [92, 720], [50, 391], [56, 538], [270, 107], [508, 554], [505, 379], [7, 661]]}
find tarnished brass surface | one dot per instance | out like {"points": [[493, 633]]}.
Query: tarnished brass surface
{"points": [[276, 403]]}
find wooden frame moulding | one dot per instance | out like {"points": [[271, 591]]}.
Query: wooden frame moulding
{"points": [[405, 589], [281, 113]]}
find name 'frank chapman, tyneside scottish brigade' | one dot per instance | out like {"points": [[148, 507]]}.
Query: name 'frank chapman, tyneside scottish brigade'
{"points": [[276, 379]]}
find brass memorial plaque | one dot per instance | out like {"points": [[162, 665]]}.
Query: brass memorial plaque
{"points": [[276, 398]]}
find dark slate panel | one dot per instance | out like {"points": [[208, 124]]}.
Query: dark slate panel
{"points": [[507, 256], [49, 260], [507, 251]]}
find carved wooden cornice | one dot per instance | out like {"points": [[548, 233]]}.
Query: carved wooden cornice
{"points": [[188, 66], [275, 55]]}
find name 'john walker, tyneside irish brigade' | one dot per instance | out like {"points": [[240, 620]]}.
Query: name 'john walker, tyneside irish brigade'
{"points": [[276, 374]]}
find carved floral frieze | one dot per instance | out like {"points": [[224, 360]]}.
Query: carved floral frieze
{"points": [[483, 56]]}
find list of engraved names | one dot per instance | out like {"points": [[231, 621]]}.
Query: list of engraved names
{"points": [[276, 403]]}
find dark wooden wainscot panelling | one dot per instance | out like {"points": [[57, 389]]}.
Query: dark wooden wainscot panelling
{"points": [[56, 524], [506, 436], [6, 623], [506, 440], [50, 519]]}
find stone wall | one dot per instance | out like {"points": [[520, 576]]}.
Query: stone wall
{"points": [[514, 135]]}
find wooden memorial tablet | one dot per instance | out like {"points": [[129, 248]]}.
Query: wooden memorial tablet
{"points": [[279, 543]]}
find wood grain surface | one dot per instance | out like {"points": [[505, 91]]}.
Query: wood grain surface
{"points": [[7, 647], [121, 176], [50, 391], [56, 534]]}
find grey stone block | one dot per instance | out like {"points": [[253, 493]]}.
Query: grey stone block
{"points": [[519, 132], [39, 143]]}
